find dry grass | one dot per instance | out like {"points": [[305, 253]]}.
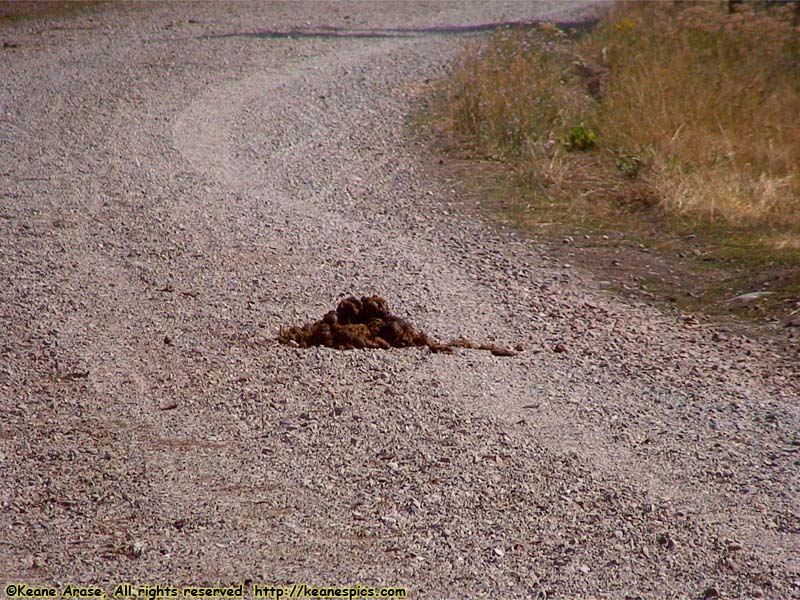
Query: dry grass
{"points": [[682, 107], [16, 10]]}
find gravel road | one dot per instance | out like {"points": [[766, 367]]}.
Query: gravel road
{"points": [[178, 181]]}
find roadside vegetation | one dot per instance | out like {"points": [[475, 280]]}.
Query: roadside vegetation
{"points": [[673, 123], [12, 11]]}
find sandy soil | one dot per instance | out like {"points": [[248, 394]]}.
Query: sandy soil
{"points": [[178, 181]]}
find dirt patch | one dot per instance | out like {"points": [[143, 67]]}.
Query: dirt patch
{"points": [[368, 323]]}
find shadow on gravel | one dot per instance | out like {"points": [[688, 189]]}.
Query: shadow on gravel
{"points": [[327, 32]]}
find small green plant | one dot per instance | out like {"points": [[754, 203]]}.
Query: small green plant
{"points": [[580, 138]]}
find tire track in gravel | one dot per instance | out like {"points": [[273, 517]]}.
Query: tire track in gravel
{"points": [[325, 234]]}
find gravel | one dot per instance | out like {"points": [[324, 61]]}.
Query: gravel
{"points": [[178, 181]]}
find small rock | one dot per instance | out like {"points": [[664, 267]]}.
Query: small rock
{"points": [[560, 348], [393, 466], [711, 593], [666, 540], [137, 549], [731, 564], [390, 519], [734, 547], [749, 297], [500, 552]]}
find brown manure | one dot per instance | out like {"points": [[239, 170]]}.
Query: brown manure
{"points": [[368, 323]]}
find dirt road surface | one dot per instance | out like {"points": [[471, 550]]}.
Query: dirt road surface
{"points": [[178, 181]]}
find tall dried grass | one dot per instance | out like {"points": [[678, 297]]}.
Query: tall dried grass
{"points": [[696, 110]]}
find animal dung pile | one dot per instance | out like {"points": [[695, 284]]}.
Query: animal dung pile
{"points": [[367, 323]]}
